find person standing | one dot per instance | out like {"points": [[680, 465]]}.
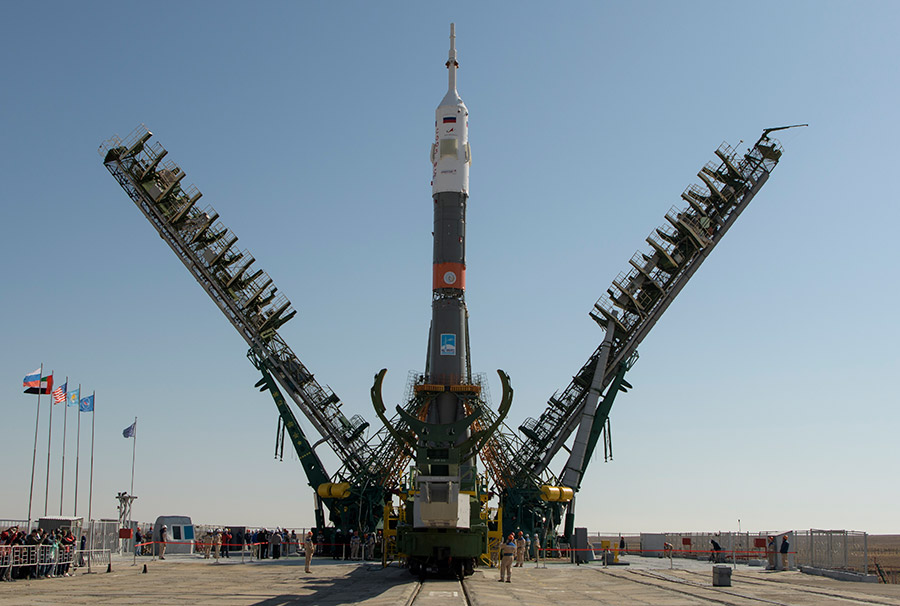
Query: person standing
{"points": [[785, 553], [226, 543], [520, 550], [337, 543], [354, 545], [254, 544], [68, 544], [770, 552], [263, 544], [138, 539], [163, 537], [507, 551], [308, 549], [275, 540], [536, 545], [370, 546]]}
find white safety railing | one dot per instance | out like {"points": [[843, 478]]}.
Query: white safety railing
{"points": [[36, 561]]}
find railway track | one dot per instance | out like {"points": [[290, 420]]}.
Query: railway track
{"points": [[440, 592], [747, 592], [783, 583]]}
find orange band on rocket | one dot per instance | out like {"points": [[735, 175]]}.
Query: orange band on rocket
{"points": [[449, 275]]}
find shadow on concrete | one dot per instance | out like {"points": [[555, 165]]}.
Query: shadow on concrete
{"points": [[361, 584]]}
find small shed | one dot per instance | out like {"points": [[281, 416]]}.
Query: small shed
{"points": [[51, 523], [180, 534]]}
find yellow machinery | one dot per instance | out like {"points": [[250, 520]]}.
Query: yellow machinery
{"points": [[561, 494], [494, 519]]}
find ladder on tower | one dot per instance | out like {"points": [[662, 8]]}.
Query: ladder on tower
{"points": [[246, 295], [635, 302]]}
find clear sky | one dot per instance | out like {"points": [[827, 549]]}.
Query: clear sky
{"points": [[763, 394]]}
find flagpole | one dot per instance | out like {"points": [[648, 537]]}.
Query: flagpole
{"points": [[62, 474], [34, 456], [131, 494], [77, 452], [91, 482], [49, 436], [133, 451]]}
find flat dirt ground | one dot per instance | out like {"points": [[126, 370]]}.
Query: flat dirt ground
{"points": [[646, 581], [202, 582]]}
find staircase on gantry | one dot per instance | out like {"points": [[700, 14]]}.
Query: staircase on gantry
{"points": [[627, 312]]}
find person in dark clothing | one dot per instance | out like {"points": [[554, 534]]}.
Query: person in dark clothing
{"points": [[31, 570], [717, 550], [67, 547], [275, 540], [263, 544], [336, 545], [346, 545], [785, 552]]}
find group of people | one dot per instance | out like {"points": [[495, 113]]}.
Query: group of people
{"points": [[784, 552], [144, 543], [265, 542], [216, 542], [521, 547], [36, 554], [353, 545]]}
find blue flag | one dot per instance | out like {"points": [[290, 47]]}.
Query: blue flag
{"points": [[86, 404], [128, 432], [73, 398]]}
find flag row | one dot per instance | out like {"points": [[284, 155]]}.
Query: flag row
{"points": [[34, 383]]}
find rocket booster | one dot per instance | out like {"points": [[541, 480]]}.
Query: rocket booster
{"points": [[450, 158]]}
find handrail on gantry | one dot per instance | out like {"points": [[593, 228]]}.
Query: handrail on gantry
{"points": [[245, 295], [636, 301]]}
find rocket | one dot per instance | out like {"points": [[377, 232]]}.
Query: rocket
{"points": [[447, 362]]}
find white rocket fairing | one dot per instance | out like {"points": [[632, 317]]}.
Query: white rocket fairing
{"points": [[450, 154], [448, 359]]}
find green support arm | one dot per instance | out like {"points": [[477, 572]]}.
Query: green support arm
{"points": [[618, 384], [315, 471]]}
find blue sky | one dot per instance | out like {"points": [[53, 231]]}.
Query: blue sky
{"points": [[764, 392]]}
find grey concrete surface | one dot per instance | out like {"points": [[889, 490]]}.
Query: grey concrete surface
{"points": [[188, 580]]}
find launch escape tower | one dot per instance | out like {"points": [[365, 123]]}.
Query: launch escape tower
{"points": [[446, 412]]}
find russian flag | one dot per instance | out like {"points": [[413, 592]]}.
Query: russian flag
{"points": [[449, 119], [32, 379], [38, 385]]}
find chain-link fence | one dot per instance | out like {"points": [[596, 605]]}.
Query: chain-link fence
{"points": [[833, 549], [102, 534]]}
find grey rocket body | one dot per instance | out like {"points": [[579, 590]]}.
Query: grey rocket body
{"points": [[447, 349]]}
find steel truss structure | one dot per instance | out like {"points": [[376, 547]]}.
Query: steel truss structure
{"points": [[518, 465]]}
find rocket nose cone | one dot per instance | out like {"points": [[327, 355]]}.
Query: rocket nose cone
{"points": [[452, 99]]}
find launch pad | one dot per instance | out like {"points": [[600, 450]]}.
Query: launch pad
{"points": [[183, 580], [445, 426]]}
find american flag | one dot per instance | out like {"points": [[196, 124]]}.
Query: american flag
{"points": [[59, 394]]}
